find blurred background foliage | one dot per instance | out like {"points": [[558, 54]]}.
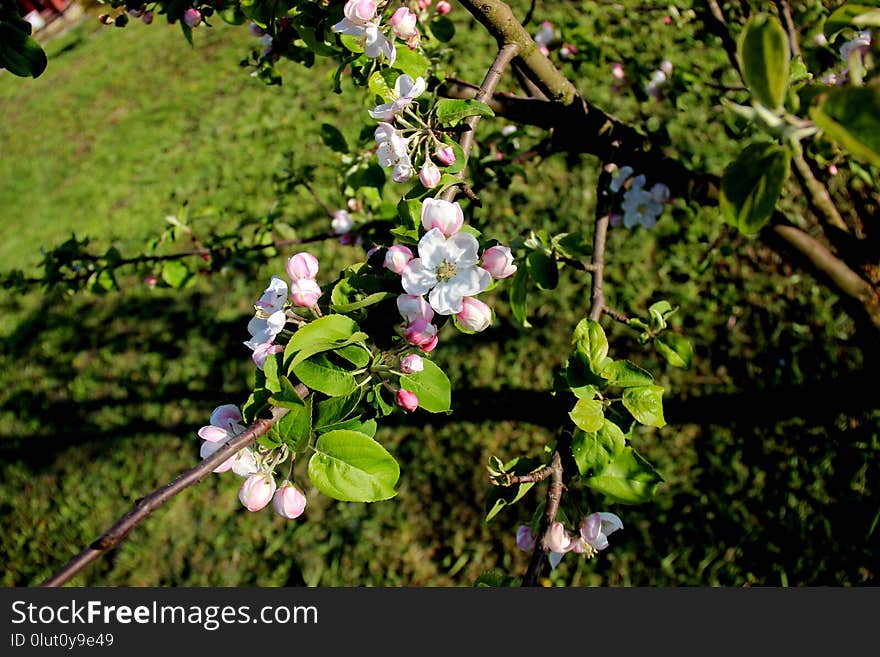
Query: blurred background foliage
{"points": [[771, 455]]}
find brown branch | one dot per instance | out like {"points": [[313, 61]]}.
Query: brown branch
{"points": [[147, 505], [506, 53], [785, 9], [554, 497], [530, 478], [615, 314], [603, 218], [817, 191]]}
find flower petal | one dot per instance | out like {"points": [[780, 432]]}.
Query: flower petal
{"points": [[416, 278], [432, 249], [214, 434], [462, 249], [225, 416], [554, 558], [469, 281], [446, 299]]}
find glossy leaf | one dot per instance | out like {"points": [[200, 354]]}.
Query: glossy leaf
{"points": [[593, 450], [626, 479], [321, 374], [765, 57], [752, 184], [851, 117], [646, 404], [431, 386], [588, 414], [449, 111], [675, 349], [624, 374], [352, 467]]}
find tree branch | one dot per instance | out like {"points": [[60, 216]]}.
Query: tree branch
{"points": [[145, 506], [554, 497]]}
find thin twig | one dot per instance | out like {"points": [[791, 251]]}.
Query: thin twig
{"points": [[146, 506], [603, 218], [554, 497], [615, 314], [785, 10], [532, 477], [817, 191], [506, 53]]}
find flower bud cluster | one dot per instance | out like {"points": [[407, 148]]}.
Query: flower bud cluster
{"points": [[588, 540]]}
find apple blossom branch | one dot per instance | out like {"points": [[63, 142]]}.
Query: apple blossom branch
{"points": [[554, 497], [583, 128], [147, 505]]}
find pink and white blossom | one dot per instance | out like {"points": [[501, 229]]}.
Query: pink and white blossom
{"points": [[596, 528], [305, 292], [396, 258], [407, 400], [411, 363], [544, 36], [475, 315], [302, 265], [446, 270], [192, 17], [443, 215], [413, 307], [446, 155], [422, 334], [225, 424], [406, 89], [257, 491], [443, 7], [342, 222], [429, 175], [269, 317], [360, 11], [392, 152], [524, 539], [403, 22], [498, 261], [289, 501], [263, 351]]}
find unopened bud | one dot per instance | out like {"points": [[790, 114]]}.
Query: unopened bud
{"points": [[256, 491], [289, 501], [407, 400]]}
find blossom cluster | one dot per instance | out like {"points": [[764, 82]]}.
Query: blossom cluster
{"points": [[591, 537], [640, 206], [259, 486], [446, 275]]}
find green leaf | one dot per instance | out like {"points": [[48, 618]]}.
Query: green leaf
{"points": [[355, 342], [272, 373], [411, 62], [675, 349], [625, 374], [646, 404], [367, 301], [495, 578], [590, 340], [381, 83], [449, 111], [175, 273], [859, 16], [543, 270], [20, 54], [627, 479], [321, 374], [295, 428], [588, 414], [593, 450], [327, 329], [256, 403], [335, 410], [442, 28], [333, 138], [382, 405], [368, 427], [502, 496], [431, 386], [851, 117], [352, 467], [765, 57], [751, 186]]}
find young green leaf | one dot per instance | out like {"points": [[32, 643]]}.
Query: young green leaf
{"points": [[627, 479], [646, 404], [320, 373], [752, 184], [588, 414], [352, 467], [624, 374], [675, 349], [449, 111], [764, 56], [593, 450], [851, 117], [543, 270]]}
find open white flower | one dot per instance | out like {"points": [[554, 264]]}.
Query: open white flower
{"points": [[641, 206], [446, 270], [405, 91], [269, 317]]}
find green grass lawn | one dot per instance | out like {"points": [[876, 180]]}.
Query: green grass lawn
{"points": [[771, 454]]}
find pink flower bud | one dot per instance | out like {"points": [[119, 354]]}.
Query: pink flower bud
{"points": [[558, 539], [422, 334], [411, 363], [263, 351], [360, 11], [498, 261], [396, 258], [424, 4], [474, 316], [617, 71], [152, 280], [443, 7], [407, 400], [147, 17], [302, 265], [446, 155], [305, 292], [666, 67], [256, 491], [192, 17], [437, 213], [429, 175], [832, 169], [289, 501], [524, 539], [342, 222], [403, 22]]}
